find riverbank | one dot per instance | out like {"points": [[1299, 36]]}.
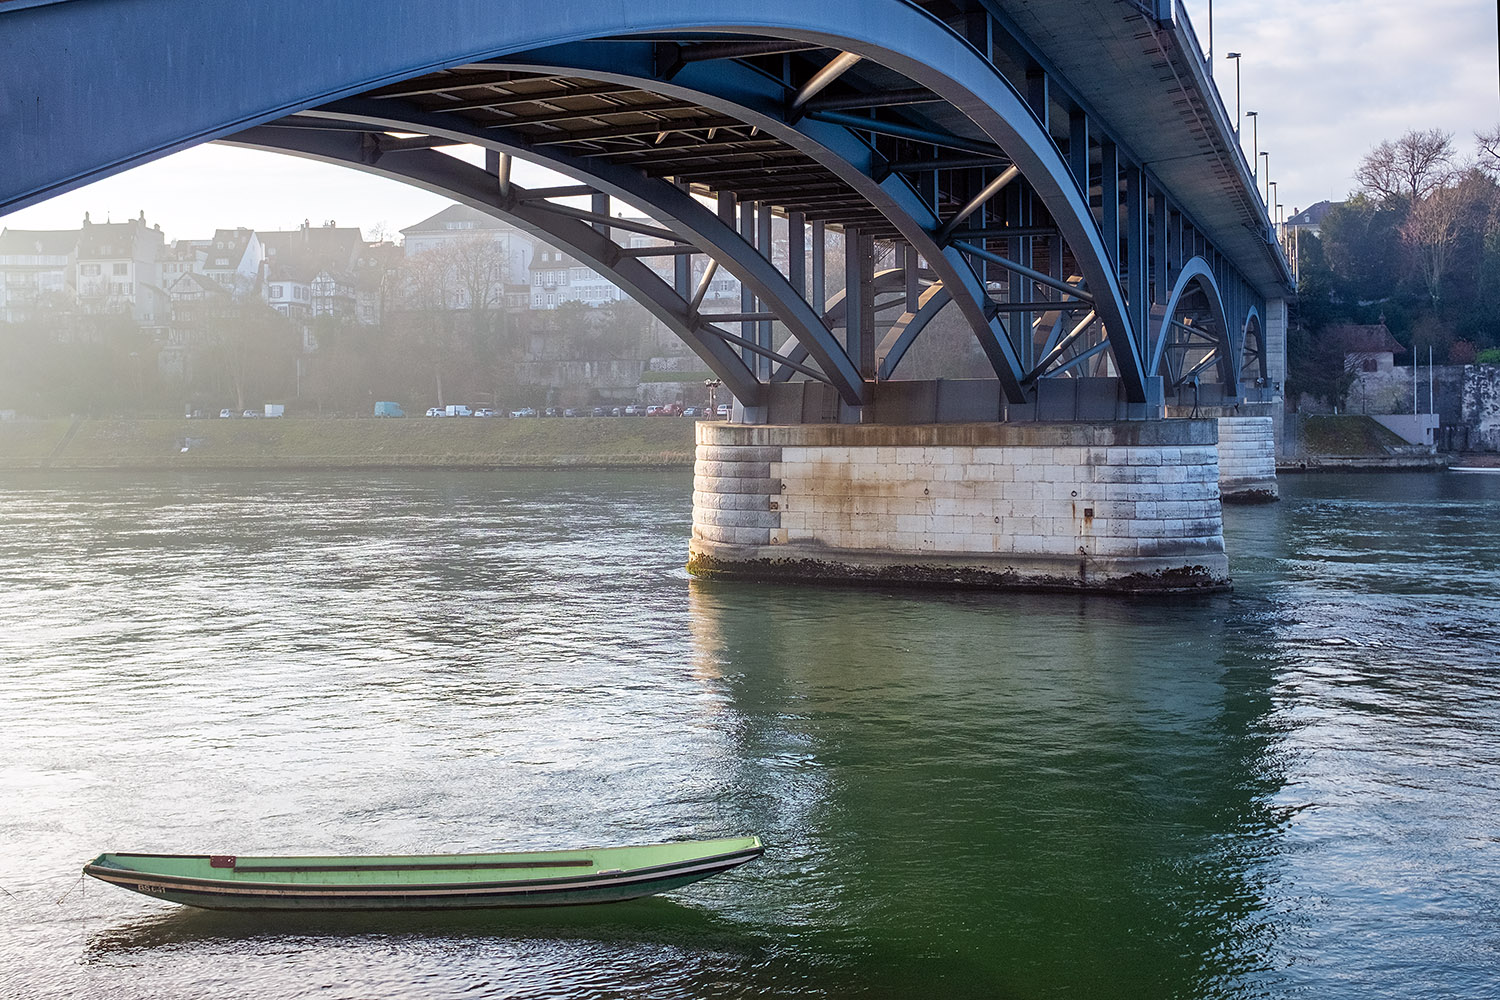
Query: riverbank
{"points": [[620, 442], [1350, 443]]}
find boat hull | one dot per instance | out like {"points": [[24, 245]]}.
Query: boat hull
{"points": [[426, 882]]}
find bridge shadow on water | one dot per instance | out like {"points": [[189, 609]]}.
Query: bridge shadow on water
{"points": [[1008, 795]]}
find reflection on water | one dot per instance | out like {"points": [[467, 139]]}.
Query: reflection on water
{"points": [[1286, 790]]}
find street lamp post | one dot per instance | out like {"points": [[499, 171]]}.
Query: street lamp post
{"points": [[1267, 158], [1210, 36], [1271, 207], [1236, 57], [1254, 117]]}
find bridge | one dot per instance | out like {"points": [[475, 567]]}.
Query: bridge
{"points": [[1061, 175]]}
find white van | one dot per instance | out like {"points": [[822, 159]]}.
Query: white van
{"points": [[459, 410]]}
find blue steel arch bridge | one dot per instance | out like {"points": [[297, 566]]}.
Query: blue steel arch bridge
{"points": [[1062, 175]]}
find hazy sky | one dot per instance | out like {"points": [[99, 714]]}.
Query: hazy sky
{"points": [[1330, 79]]}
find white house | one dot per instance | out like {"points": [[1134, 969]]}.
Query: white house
{"points": [[117, 269], [233, 258], [513, 253], [35, 265]]}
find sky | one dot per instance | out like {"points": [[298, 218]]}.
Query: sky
{"points": [[1329, 78]]}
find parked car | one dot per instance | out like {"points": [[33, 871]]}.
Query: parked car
{"points": [[436, 411], [692, 411], [635, 410], [459, 410], [551, 411], [598, 411], [250, 413], [571, 412], [617, 411], [525, 411], [227, 414], [389, 410], [484, 411], [724, 411]]}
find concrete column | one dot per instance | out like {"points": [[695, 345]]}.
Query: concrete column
{"points": [[1273, 328], [1273, 323]]}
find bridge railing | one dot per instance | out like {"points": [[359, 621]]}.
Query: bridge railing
{"points": [[1189, 35]]}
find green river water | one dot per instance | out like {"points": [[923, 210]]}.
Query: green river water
{"points": [[1292, 790]]}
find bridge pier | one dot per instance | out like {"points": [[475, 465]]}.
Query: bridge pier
{"points": [[1122, 507], [1247, 460]]}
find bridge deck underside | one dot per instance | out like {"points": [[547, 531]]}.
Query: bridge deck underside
{"points": [[659, 135], [713, 153]]}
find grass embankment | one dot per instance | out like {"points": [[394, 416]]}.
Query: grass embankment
{"points": [[1349, 442], [1349, 435], [345, 444]]}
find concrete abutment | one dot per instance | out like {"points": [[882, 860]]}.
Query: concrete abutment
{"points": [[1123, 507]]}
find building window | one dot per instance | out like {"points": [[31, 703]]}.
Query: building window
{"points": [[121, 270], [275, 291], [89, 270]]}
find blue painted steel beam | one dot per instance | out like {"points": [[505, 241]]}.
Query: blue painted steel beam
{"points": [[693, 222], [1196, 271], [476, 188], [760, 101], [904, 332], [887, 281], [141, 100]]}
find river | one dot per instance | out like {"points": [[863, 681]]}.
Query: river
{"points": [[1292, 790]]}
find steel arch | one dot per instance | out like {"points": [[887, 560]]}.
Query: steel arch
{"points": [[758, 101], [1199, 272], [887, 281], [904, 332], [1263, 372], [694, 223], [475, 187], [984, 96], [390, 40]]}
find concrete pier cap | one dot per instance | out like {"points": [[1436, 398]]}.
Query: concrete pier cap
{"points": [[1125, 507]]}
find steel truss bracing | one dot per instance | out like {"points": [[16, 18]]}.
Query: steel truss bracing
{"points": [[929, 132]]}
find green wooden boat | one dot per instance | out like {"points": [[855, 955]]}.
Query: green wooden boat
{"points": [[424, 881]]}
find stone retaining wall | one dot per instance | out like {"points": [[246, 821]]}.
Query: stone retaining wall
{"points": [[1128, 507]]}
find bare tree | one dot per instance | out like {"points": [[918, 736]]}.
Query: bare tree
{"points": [[1435, 223], [1410, 168], [425, 296], [478, 267], [1488, 157]]}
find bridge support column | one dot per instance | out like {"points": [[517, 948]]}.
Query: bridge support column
{"points": [[1247, 460], [1130, 507], [1274, 325]]}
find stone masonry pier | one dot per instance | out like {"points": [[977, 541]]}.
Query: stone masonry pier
{"points": [[1123, 507], [1247, 460]]}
